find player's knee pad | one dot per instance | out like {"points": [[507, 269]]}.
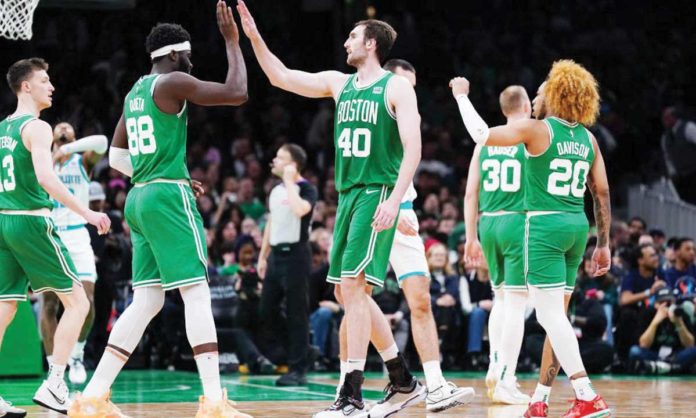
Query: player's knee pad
{"points": [[200, 325], [196, 294], [148, 301]]}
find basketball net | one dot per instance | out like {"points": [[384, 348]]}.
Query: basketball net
{"points": [[16, 17]]}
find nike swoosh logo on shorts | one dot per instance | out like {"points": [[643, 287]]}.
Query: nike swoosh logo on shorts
{"points": [[371, 191]]}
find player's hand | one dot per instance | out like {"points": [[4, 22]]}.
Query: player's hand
{"points": [[601, 261], [385, 215], [406, 227], [472, 252], [459, 85], [226, 23], [248, 23], [100, 220], [261, 268], [289, 173], [197, 187]]}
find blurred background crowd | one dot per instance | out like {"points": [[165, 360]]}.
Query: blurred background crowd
{"points": [[629, 320]]}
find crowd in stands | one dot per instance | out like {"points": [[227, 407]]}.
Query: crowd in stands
{"points": [[637, 318]]}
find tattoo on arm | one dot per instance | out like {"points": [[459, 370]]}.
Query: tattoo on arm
{"points": [[602, 213]]}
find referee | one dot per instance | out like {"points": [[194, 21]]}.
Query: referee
{"points": [[285, 261]]}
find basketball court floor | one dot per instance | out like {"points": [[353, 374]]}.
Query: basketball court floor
{"points": [[160, 394]]}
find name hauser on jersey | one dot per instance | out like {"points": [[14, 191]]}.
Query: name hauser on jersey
{"points": [[573, 148], [360, 110], [8, 142], [509, 151]]}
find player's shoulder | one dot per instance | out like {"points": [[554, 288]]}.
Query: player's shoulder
{"points": [[399, 82], [34, 125]]}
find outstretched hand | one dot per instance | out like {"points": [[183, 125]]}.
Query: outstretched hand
{"points": [[226, 23], [248, 23]]}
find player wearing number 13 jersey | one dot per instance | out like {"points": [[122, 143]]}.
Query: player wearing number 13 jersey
{"points": [[563, 159], [169, 250]]}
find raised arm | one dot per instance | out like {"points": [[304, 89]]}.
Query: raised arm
{"points": [[402, 97], [533, 133], [39, 137], [181, 86], [599, 187], [472, 248], [322, 84]]}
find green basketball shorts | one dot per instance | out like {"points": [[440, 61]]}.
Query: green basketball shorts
{"points": [[357, 247], [31, 253], [554, 246], [502, 242], [169, 248]]}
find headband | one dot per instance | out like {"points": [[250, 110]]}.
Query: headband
{"points": [[160, 52]]}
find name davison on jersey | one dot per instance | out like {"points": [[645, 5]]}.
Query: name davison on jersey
{"points": [[574, 148], [358, 110], [509, 151], [136, 105], [8, 142]]}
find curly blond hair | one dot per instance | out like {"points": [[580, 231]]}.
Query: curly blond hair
{"points": [[571, 93]]}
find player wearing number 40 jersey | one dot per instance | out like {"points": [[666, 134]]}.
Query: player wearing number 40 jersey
{"points": [[563, 158], [31, 252], [169, 250], [377, 140]]}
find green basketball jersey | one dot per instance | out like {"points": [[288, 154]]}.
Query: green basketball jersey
{"points": [[501, 186], [156, 140], [19, 188], [366, 137], [556, 179]]}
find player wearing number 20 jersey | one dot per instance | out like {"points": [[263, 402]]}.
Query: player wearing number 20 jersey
{"points": [[556, 229], [368, 156]]}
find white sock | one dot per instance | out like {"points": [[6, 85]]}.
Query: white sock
{"points": [[541, 394], [433, 375], [78, 351], [342, 377], [49, 360], [583, 389], [107, 370], [357, 364], [209, 372], [496, 322], [390, 353], [55, 373], [512, 334]]}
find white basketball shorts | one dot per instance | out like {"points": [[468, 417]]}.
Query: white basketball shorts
{"points": [[79, 245]]}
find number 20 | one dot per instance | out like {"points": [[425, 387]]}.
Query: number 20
{"points": [[563, 170]]}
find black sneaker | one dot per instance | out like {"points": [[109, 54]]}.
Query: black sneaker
{"points": [[293, 378], [399, 397]]}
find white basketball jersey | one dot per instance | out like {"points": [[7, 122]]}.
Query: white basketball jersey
{"points": [[410, 194], [74, 177]]}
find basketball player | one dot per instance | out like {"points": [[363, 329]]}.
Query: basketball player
{"points": [[377, 138], [31, 251], [169, 250], [74, 170], [495, 188], [563, 158]]}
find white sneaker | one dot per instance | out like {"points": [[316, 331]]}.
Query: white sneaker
{"points": [[398, 398], [509, 394], [77, 373], [448, 396], [9, 411], [492, 379], [344, 407], [55, 397]]}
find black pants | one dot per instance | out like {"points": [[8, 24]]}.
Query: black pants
{"points": [[596, 354], [286, 279]]}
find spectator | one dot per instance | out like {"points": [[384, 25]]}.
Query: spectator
{"points": [[325, 311], [444, 293], [636, 228], [684, 255], [248, 202], [603, 289], [641, 283], [667, 340], [392, 303], [590, 322], [476, 302]]}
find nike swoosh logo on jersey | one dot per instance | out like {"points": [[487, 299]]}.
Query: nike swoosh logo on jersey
{"points": [[371, 191], [59, 400]]}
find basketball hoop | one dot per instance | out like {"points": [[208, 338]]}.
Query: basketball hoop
{"points": [[16, 17]]}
